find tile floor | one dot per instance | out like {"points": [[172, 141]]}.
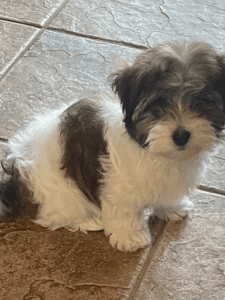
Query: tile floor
{"points": [[53, 51]]}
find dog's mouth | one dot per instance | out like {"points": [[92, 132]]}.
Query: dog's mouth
{"points": [[181, 148]]}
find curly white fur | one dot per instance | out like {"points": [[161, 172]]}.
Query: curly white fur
{"points": [[134, 178]]}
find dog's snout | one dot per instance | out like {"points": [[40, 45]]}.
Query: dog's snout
{"points": [[181, 136]]}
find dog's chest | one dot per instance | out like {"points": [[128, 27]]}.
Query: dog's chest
{"points": [[170, 181], [160, 180]]}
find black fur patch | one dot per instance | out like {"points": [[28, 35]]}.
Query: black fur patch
{"points": [[15, 196], [82, 131]]}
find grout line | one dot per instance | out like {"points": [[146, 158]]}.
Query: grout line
{"points": [[98, 38], [55, 13], [72, 33], [25, 23], [35, 36], [152, 252], [9, 66], [4, 139], [211, 190]]}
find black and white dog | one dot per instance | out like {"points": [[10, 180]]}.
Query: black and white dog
{"points": [[97, 163]]}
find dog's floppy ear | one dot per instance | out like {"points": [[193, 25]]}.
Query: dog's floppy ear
{"points": [[133, 83], [123, 83]]}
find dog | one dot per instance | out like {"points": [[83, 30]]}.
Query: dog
{"points": [[99, 162]]}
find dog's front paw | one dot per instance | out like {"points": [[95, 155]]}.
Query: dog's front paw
{"points": [[125, 240]]}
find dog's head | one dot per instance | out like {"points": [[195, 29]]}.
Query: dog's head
{"points": [[173, 98]]}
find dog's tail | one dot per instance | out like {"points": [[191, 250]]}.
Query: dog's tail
{"points": [[15, 197]]}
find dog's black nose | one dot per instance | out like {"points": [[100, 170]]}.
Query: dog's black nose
{"points": [[181, 136]]}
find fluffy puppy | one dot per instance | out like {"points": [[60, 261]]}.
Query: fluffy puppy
{"points": [[99, 162]]}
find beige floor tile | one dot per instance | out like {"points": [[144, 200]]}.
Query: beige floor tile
{"points": [[57, 69], [145, 22], [128, 21], [36, 262], [36, 12], [12, 44], [190, 262]]}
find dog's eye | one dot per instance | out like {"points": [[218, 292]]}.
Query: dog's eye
{"points": [[198, 105], [206, 101], [157, 107], [209, 102], [160, 102]]}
